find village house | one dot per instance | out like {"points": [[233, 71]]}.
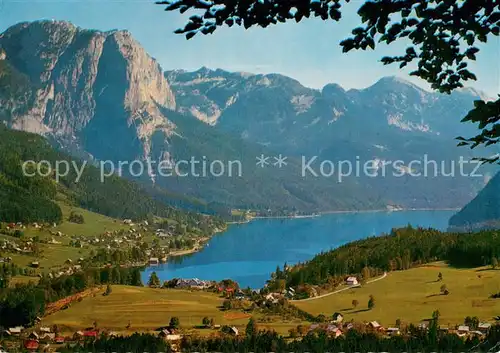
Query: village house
{"points": [[290, 293], [477, 333], [193, 283], [239, 295], [272, 297], [375, 325], [160, 233], [14, 331], [47, 337], [484, 327], [90, 334], [170, 335], [33, 336], [337, 318], [352, 281], [463, 330], [334, 331], [79, 335], [154, 261], [424, 325], [393, 331], [31, 345], [313, 327]]}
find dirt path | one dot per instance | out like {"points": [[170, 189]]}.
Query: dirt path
{"points": [[341, 290]]}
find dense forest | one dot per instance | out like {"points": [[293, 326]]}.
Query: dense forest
{"points": [[30, 198], [399, 250], [137, 343]]}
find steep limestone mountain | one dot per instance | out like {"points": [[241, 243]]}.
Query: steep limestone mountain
{"points": [[100, 96], [89, 88], [483, 212]]}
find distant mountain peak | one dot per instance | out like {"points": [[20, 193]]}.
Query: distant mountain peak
{"points": [[204, 70], [475, 92], [332, 87], [394, 82]]}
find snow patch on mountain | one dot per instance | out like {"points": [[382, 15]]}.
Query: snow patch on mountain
{"points": [[209, 117], [302, 103], [199, 80], [398, 121]]}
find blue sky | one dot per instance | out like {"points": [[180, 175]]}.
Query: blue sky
{"points": [[308, 51]]}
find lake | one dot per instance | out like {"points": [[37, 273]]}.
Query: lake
{"points": [[249, 253]]}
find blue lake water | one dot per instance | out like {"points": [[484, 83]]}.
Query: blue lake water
{"points": [[249, 253]]}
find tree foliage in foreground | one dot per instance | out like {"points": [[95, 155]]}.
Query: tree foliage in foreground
{"points": [[441, 34]]}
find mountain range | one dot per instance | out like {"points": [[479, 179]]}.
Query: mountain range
{"points": [[100, 96]]}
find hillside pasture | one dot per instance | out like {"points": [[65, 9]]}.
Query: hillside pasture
{"points": [[413, 295]]}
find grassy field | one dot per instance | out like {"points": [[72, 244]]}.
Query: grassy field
{"points": [[413, 295], [94, 222], [53, 256], [147, 309]]}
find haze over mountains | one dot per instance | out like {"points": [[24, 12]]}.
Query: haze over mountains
{"points": [[100, 96]]}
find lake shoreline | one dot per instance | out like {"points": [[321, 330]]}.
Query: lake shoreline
{"points": [[240, 255], [200, 244], [319, 214], [393, 210], [204, 241]]}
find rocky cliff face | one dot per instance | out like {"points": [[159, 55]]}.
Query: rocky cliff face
{"points": [[84, 81]]}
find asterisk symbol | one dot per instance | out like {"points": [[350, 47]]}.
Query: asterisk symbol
{"points": [[262, 161], [280, 161]]}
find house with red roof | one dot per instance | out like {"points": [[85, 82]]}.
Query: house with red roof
{"points": [[31, 345], [90, 334]]}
